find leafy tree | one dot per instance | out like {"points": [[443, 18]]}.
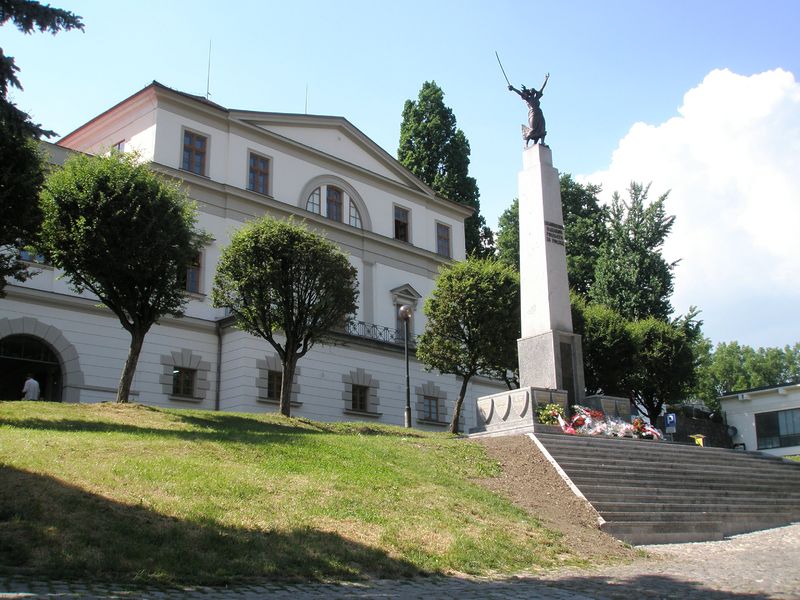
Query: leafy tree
{"points": [[631, 275], [21, 162], [124, 233], [433, 149], [508, 236], [28, 16], [609, 351], [584, 232], [732, 366], [664, 368], [473, 323], [21, 176], [279, 279]]}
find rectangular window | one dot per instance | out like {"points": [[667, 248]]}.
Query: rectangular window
{"points": [[443, 240], [360, 397], [274, 381], [192, 283], [258, 178], [778, 429], [401, 224], [194, 153], [430, 408], [30, 257], [120, 146], [334, 203], [183, 382]]}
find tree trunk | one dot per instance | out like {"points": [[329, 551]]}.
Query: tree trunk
{"points": [[459, 402], [124, 390], [286, 384]]}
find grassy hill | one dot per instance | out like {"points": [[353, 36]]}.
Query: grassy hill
{"points": [[134, 493]]}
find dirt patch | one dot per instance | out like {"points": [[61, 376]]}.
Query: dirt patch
{"points": [[530, 481]]}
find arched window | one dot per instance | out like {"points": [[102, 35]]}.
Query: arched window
{"points": [[313, 203], [355, 216], [333, 208]]}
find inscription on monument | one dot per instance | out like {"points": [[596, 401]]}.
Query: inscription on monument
{"points": [[554, 233]]}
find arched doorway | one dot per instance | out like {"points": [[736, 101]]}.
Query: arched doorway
{"points": [[23, 354]]}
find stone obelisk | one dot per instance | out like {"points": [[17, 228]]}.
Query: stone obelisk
{"points": [[550, 355]]}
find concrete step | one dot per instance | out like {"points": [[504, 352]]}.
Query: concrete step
{"points": [[665, 453], [658, 473], [741, 518], [660, 492], [698, 507], [683, 482], [604, 491], [598, 443]]}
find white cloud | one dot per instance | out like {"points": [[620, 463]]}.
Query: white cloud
{"points": [[731, 158]]}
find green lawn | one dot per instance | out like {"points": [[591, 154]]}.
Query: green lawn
{"points": [[133, 493]]}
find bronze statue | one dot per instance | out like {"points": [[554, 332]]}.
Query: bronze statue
{"points": [[535, 131]]}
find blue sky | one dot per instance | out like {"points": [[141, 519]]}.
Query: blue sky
{"points": [[639, 90]]}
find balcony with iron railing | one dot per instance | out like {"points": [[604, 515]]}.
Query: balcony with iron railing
{"points": [[379, 333]]}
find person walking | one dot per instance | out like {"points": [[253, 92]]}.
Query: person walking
{"points": [[30, 391]]}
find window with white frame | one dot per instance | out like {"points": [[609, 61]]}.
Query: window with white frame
{"points": [[194, 152], [192, 281], [401, 224], [443, 240], [258, 174], [336, 202]]}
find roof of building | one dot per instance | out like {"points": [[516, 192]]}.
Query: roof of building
{"points": [[289, 117], [763, 388]]}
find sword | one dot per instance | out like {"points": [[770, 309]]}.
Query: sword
{"points": [[501, 67]]}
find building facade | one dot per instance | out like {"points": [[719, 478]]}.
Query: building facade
{"points": [[238, 165], [766, 419]]}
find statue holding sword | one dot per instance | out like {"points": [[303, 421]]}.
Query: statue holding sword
{"points": [[535, 130]]}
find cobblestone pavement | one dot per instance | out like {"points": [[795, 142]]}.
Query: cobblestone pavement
{"points": [[753, 566]]}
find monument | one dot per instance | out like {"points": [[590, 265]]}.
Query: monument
{"points": [[549, 352]]}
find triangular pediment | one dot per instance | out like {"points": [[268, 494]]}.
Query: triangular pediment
{"points": [[336, 137], [405, 294]]}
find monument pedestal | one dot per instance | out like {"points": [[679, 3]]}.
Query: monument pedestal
{"points": [[550, 355]]}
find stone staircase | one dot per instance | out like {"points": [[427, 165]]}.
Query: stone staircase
{"points": [[659, 492]]}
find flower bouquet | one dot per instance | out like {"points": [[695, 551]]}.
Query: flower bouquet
{"points": [[587, 421]]}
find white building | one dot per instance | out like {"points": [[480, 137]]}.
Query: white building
{"points": [[238, 165], [766, 419]]}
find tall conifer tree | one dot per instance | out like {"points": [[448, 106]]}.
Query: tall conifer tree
{"points": [[436, 151]]}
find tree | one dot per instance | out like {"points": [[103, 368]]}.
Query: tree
{"points": [[508, 236], [124, 233], [650, 361], [21, 162], [631, 275], [278, 278], [664, 369], [28, 16], [21, 176], [473, 323], [609, 351], [433, 149], [732, 366], [584, 232]]}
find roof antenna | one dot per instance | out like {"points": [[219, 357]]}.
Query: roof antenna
{"points": [[208, 77], [306, 99]]}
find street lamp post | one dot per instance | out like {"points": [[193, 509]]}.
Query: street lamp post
{"points": [[405, 314]]}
